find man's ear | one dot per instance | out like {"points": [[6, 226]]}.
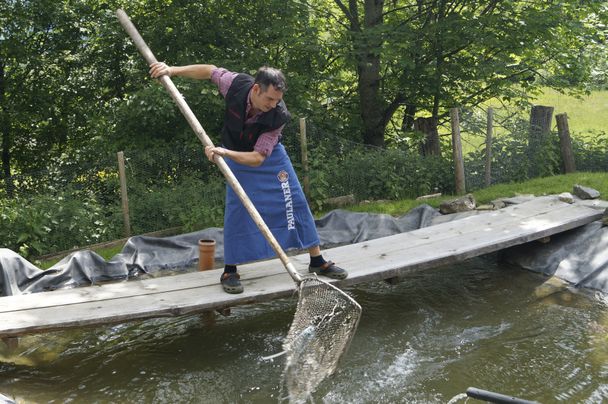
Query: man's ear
{"points": [[257, 89]]}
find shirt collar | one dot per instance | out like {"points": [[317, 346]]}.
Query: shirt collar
{"points": [[249, 106]]}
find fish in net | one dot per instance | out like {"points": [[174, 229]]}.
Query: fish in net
{"points": [[324, 324]]}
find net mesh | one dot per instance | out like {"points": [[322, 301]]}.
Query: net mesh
{"points": [[325, 321]]}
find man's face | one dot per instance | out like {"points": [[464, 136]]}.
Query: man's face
{"points": [[265, 100]]}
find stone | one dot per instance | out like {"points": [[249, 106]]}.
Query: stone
{"points": [[498, 203], [585, 192], [516, 200], [566, 197], [341, 201], [462, 204]]}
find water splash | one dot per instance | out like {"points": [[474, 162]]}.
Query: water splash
{"points": [[457, 398]]}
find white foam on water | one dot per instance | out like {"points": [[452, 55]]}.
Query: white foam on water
{"points": [[380, 382]]}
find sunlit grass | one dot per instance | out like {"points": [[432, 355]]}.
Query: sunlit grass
{"points": [[587, 114]]}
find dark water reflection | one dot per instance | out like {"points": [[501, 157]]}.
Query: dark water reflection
{"points": [[423, 340]]}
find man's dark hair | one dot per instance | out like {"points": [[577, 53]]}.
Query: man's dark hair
{"points": [[267, 76]]}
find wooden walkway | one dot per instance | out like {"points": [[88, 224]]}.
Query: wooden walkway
{"points": [[368, 261]]}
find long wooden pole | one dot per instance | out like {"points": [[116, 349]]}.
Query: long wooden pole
{"points": [[202, 135]]}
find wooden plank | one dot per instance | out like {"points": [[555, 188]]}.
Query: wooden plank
{"points": [[174, 303], [439, 252], [372, 260]]}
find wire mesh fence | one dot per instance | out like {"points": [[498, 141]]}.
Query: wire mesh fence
{"points": [[73, 204]]}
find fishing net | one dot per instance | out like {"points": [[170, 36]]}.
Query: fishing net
{"points": [[325, 322]]}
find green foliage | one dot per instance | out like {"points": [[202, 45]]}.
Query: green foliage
{"points": [[592, 154], [202, 204], [50, 223], [74, 91], [322, 165], [189, 202], [394, 174], [513, 158], [371, 173], [432, 56], [73, 83]]}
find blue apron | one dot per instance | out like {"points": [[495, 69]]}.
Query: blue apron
{"points": [[276, 193]]}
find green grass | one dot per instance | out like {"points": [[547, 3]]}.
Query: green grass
{"points": [[538, 186]]}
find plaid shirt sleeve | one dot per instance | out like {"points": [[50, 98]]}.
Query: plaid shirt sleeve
{"points": [[222, 78], [267, 141]]}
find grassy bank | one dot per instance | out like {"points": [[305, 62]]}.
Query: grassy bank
{"points": [[539, 186]]}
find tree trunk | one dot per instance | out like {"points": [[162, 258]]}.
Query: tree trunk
{"points": [[407, 124], [5, 133], [368, 69], [439, 57], [428, 126], [457, 152]]}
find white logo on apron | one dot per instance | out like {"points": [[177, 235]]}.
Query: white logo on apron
{"points": [[283, 176]]}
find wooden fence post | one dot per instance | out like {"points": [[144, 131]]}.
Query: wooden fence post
{"points": [[540, 127], [565, 143], [457, 152], [304, 149], [489, 134], [123, 194]]}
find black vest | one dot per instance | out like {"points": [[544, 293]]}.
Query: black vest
{"points": [[236, 135]]}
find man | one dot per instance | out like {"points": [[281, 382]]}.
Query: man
{"points": [[254, 118]]}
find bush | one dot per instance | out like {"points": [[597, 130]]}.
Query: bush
{"points": [[50, 223], [190, 202], [591, 155], [371, 173]]}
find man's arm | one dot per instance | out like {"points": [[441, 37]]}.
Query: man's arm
{"points": [[251, 159], [199, 72]]}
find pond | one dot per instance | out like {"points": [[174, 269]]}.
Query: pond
{"points": [[426, 339]]}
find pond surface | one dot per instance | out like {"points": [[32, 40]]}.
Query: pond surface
{"points": [[424, 340]]}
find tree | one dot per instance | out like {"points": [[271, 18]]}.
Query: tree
{"points": [[43, 89], [430, 55]]}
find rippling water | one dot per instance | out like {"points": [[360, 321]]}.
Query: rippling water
{"points": [[424, 340]]}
